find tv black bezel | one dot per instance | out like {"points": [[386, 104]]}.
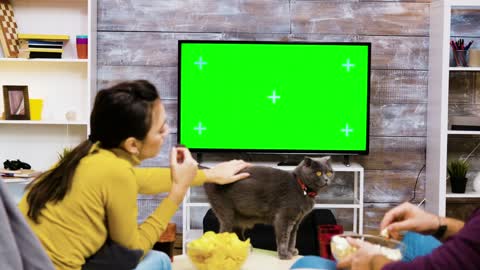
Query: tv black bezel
{"points": [[275, 151]]}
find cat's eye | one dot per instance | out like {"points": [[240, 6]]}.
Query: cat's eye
{"points": [[329, 174], [319, 173]]}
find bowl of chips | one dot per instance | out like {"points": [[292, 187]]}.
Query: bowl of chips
{"points": [[390, 248], [218, 251]]}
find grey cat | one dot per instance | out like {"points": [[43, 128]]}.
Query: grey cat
{"points": [[271, 196]]}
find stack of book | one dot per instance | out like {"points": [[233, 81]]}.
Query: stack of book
{"points": [[41, 45]]}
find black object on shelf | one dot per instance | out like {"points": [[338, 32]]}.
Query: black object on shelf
{"points": [[15, 165], [458, 185], [463, 127]]}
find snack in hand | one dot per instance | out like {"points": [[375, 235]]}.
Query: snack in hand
{"points": [[384, 233]]}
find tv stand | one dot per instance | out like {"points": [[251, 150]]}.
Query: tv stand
{"points": [[195, 204], [288, 162], [199, 158], [346, 160]]}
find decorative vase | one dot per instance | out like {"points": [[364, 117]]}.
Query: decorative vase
{"points": [[458, 184], [476, 183]]}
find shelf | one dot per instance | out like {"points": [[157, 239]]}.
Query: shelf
{"points": [[463, 132], [12, 180], [23, 60], [336, 206], [198, 204], [464, 68], [470, 194], [464, 4], [42, 122]]}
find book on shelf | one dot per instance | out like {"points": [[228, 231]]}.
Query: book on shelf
{"points": [[26, 44], [44, 37], [40, 53]]}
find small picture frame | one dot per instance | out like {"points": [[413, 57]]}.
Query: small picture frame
{"points": [[15, 100]]}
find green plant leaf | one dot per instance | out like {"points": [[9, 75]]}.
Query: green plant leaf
{"points": [[457, 169], [64, 153]]}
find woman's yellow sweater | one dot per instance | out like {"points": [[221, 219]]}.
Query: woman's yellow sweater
{"points": [[103, 202]]}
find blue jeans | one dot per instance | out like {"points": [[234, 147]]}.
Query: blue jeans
{"points": [[416, 245], [155, 260]]}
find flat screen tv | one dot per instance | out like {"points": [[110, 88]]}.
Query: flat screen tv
{"points": [[283, 97]]}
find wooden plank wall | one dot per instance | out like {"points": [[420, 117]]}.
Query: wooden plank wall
{"points": [[137, 39]]}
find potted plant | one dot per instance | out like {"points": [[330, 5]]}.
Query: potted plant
{"points": [[457, 169], [64, 153]]}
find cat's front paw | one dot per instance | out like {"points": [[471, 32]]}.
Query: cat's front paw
{"points": [[284, 255], [294, 252]]}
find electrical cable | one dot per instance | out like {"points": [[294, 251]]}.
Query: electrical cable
{"points": [[416, 182], [468, 156]]}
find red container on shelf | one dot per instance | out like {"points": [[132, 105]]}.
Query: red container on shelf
{"points": [[82, 46], [325, 234]]}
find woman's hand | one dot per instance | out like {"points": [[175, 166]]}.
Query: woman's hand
{"points": [[367, 257], [183, 168], [408, 217], [227, 172]]}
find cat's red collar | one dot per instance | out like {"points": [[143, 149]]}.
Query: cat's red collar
{"points": [[305, 189]]}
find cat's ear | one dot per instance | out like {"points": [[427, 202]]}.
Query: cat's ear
{"points": [[308, 161], [327, 158]]}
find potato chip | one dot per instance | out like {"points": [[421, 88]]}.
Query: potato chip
{"points": [[223, 251]]}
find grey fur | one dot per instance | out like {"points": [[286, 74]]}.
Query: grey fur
{"points": [[270, 196]]}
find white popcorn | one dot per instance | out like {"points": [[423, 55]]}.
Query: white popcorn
{"points": [[384, 233], [341, 249], [390, 253]]}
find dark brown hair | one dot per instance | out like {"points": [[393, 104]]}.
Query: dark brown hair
{"points": [[119, 112]]}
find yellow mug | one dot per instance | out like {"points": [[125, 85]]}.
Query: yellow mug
{"points": [[36, 106]]}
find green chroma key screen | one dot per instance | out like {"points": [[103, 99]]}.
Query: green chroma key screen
{"points": [[274, 97]]}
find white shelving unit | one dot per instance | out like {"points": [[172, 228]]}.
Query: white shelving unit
{"points": [[192, 202], [66, 84], [438, 92]]}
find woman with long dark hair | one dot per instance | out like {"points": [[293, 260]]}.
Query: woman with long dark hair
{"points": [[84, 208]]}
